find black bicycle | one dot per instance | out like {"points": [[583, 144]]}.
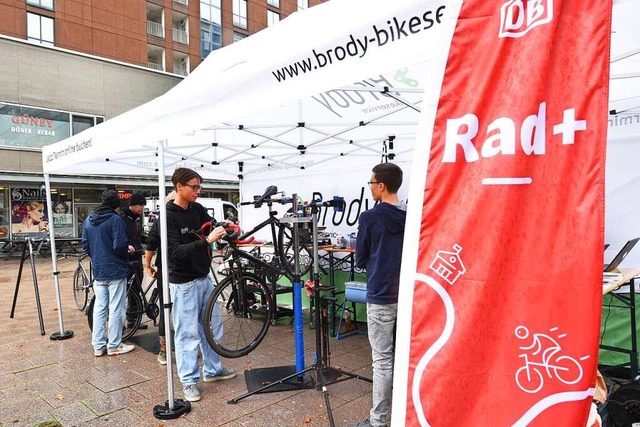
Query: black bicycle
{"points": [[82, 282], [241, 305], [136, 305]]}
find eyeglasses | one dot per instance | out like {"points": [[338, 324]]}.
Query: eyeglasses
{"points": [[374, 182], [194, 187]]}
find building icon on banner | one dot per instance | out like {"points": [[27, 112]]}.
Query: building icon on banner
{"points": [[448, 265]]}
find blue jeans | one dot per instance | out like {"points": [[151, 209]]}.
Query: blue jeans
{"points": [[189, 303], [381, 320], [109, 295]]}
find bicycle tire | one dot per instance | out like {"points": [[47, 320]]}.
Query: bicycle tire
{"points": [[243, 326], [136, 308], [80, 289], [286, 253]]}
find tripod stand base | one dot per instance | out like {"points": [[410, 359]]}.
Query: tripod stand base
{"points": [[180, 407], [58, 336], [258, 378]]}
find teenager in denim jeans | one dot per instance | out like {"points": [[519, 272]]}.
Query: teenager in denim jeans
{"points": [[104, 239], [190, 283], [379, 250]]}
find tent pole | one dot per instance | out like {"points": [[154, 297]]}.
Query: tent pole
{"points": [[62, 334], [172, 408]]}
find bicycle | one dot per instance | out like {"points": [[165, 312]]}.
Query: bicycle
{"points": [[242, 304], [82, 283], [136, 304]]}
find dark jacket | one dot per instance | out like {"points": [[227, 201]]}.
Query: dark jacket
{"points": [[134, 231], [188, 254], [104, 238], [379, 249]]}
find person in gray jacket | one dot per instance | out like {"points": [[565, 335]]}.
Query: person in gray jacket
{"points": [[104, 239]]}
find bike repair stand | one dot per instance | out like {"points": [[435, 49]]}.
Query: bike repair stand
{"points": [[32, 257], [321, 365], [284, 378]]}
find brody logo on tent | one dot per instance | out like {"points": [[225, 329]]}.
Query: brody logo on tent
{"points": [[517, 17]]}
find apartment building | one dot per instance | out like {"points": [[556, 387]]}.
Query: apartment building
{"points": [[70, 64]]}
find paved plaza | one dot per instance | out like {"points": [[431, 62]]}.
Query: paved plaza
{"points": [[52, 383]]}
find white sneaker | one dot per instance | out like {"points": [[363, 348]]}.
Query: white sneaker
{"points": [[121, 349], [191, 392]]}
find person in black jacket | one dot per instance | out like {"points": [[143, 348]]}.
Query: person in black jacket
{"points": [[379, 249], [133, 220], [190, 283]]}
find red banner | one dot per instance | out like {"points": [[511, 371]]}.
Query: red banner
{"points": [[506, 310]]}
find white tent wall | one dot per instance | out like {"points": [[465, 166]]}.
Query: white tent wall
{"points": [[347, 179]]}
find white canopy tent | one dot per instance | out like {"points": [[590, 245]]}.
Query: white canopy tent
{"points": [[271, 115]]}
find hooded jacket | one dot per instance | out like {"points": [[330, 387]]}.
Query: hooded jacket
{"points": [[134, 230], [104, 238], [379, 250], [188, 253]]}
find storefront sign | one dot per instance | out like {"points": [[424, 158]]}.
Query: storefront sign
{"points": [[32, 127]]}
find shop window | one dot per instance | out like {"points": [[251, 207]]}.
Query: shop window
{"points": [[40, 29], [81, 123]]}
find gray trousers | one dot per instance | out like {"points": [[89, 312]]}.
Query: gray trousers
{"points": [[381, 320]]}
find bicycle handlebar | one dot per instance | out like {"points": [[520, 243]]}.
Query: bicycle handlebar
{"points": [[266, 198], [233, 230]]}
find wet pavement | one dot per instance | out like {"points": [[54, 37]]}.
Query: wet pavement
{"points": [[50, 383]]}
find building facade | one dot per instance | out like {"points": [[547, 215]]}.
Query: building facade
{"points": [[71, 64]]}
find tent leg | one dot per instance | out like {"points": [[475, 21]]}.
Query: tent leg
{"points": [[62, 334]]}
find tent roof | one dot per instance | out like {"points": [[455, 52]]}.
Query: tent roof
{"points": [[245, 105]]}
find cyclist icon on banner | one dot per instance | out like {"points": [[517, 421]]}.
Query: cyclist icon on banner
{"points": [[544, 355]]}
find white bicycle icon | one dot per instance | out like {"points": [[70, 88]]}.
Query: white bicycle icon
{"points": [[530, 377]]}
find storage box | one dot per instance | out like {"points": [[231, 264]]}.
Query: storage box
{"points": [[355, 291]]}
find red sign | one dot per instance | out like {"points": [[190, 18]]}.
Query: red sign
{"points": [[506, 304]]}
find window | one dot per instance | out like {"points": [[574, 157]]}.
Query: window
{"points": [[240, 13], [210, 11], [272, 18], [80, 123], [303, 4], [210, 26], [274, 3], [238, 36], [40, 29], [45, 4], [210, 37]]}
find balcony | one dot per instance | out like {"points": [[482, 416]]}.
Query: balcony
{"points": [[180, 36], [155, 66], [180, 70], [155, 29]]}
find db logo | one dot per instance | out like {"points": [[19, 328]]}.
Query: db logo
{"points": [[517, 17]]}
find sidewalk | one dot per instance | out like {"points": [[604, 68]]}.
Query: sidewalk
{"points": [[52, 383]]}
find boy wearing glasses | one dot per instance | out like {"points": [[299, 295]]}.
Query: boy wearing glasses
{"points": [[190, 284], [379, 250]]}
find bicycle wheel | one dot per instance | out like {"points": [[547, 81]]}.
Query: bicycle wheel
{"points": [[133, 309], [238, 315], [80, 289], [286, 249]]}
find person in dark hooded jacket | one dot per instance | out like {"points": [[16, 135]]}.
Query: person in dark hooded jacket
{"points": [[379, 250], [132, 217], [104, 239]]}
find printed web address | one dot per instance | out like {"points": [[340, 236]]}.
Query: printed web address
{"points": [[358, 47]]}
